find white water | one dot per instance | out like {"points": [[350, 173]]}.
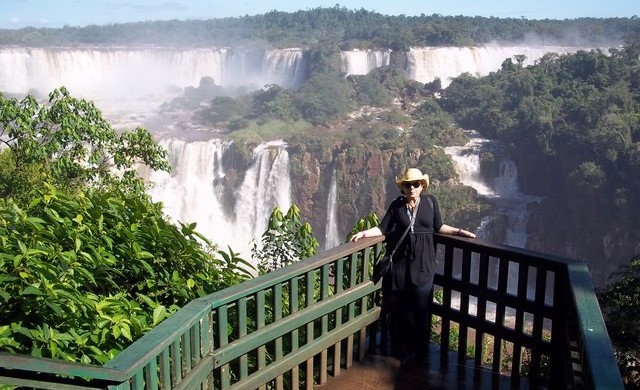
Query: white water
{"points": [[331, 236], [425, 64], [129, 84], [503, 190], [134, 82], [511, 204], [361, 62], [193, 191]]}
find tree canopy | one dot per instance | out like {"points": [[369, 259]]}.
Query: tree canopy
{"points": [[339, 25]]}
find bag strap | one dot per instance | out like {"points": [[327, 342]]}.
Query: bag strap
{"points": [[410, 227]]}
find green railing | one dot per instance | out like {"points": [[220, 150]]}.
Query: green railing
{"points": [[519, 314]]}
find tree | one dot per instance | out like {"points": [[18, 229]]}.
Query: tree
{"points": [[69, 144], [324, 97], [286, 241], [620, 303], [88, 263]]}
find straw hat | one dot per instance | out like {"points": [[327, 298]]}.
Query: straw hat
{"points": [[413, 174]]}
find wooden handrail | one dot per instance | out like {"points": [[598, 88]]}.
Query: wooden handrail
{"points": [[323, 308]]}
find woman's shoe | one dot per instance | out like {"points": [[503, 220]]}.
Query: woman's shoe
{"points": [[408, 361]]}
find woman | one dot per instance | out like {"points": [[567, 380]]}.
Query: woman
{"points": [[406, 292]]}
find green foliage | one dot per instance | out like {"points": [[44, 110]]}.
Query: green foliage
{"points": [[620, 303], [573, 115], [69, 144], [324, 97], [286, 241], [368, 222], [83, 276], [88, 263], [348, 27]]}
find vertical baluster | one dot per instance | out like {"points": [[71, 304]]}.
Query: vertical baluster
{"points": [[260, 323], [503, 280], [242, 332], [294, 293], [223, 339], [176, 363], [324, 326], [309, 290], [337, 352], [483, 283], [464, 304], [165, 369], [276, 303]]}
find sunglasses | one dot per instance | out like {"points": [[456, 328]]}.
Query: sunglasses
{"points": [[414, 184]]}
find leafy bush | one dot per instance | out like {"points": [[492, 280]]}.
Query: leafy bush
{"points": [[82, 277]]}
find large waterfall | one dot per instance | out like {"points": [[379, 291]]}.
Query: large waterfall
{"points": [[512, 206], [133, 82], [193, 192], [129, 84]]}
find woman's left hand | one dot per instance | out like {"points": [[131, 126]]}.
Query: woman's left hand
{"points": [[466, 233]]}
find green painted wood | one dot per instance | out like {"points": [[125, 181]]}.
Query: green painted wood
{"points": [[196, 376], [38, 384], [601, 367], [223, 340], [165, 369], [288, 325], [153, 343], [303, 353], [261, 322], [242, 332], [176, 369], [12, 361], [188, 335]]}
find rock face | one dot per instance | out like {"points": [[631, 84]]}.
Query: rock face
{"points": [[364, 185], [578, 222]]}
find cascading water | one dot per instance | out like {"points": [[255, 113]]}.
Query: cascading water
{"points": [[125, 82], [129, 85], [193, 192], [359, 62], [331, 235], [425, 64], [512, 206], [503, 189]]}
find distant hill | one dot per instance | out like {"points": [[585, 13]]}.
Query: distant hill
{"points": [[335, 26]]}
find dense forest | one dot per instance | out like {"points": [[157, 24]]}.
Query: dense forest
{"points": [[334, 26]]}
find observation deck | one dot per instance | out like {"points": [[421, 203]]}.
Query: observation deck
{"points": [[503, 317]]}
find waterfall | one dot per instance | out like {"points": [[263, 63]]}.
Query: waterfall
{"points": [[127, 81], [502, 189], [193, 192], [129, 84], [361, 62], [331, 235], [512, 206], [425, 64]]}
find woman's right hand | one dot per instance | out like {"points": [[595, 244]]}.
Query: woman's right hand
{"points": [[358, 236]]}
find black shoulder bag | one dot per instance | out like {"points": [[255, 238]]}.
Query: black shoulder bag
{"points": [[384, 266]]}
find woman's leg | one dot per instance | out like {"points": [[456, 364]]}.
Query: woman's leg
{"points": [[421, 313]]}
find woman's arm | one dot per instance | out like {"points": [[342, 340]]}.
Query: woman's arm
{"points": [[446, 229], [373, 232]]}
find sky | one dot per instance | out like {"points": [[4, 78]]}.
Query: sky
{"points": [[78, 13]]}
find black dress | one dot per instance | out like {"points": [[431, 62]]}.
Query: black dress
{"points": [[414, 262], [406, 292]]}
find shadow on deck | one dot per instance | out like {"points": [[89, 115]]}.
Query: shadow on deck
{"points": [[377, 372]]}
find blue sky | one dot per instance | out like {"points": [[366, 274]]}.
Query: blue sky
{"points": [[58, 13]]}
